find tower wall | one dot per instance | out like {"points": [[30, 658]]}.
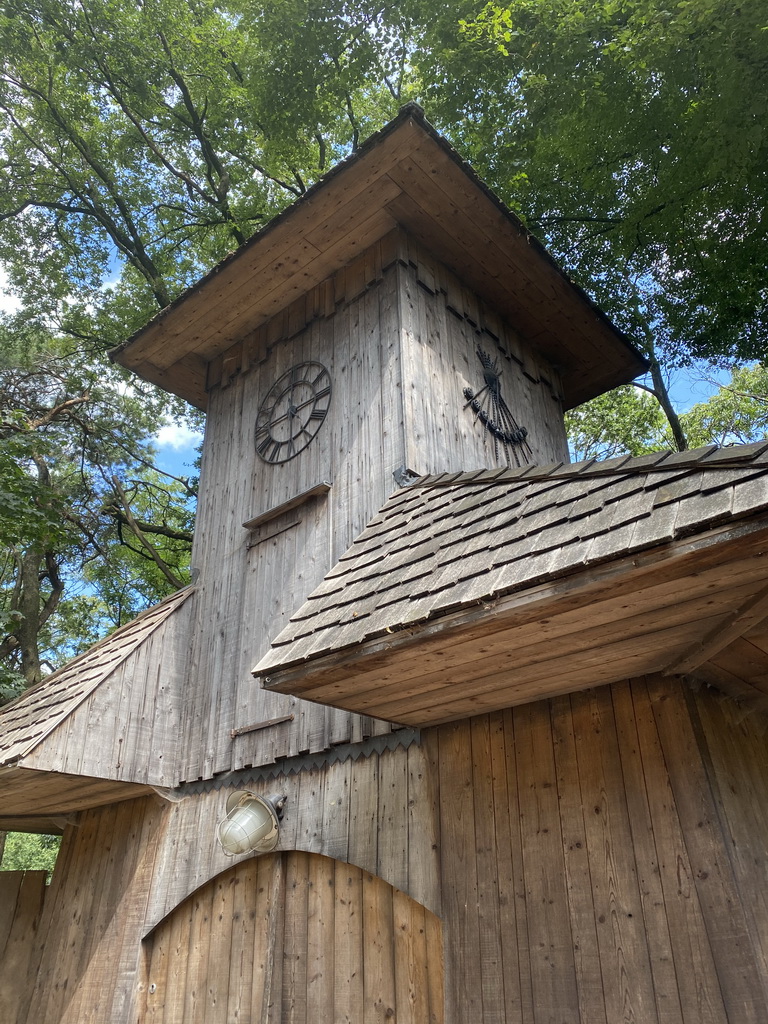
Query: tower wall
{"points": [[399, 339]]}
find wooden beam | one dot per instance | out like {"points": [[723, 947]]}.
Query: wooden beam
{"points": [[277, 510], [728, 629]]}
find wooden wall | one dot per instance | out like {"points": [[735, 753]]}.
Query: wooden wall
{"points": [[399, 336], [443, 325], [22, 894], [606, 853], [128, 727], [296, 937], [600, 857]]}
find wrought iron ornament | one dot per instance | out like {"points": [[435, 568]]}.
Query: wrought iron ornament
{"points": [[292, 412], [493, 412]]}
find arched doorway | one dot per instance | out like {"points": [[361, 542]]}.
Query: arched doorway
{"points": [[300, 938]]}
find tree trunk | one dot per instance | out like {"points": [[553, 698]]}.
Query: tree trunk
{"points": [[28, 629], [662, 393]]}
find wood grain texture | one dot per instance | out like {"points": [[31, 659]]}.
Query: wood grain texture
{"points": [[22, 895], [599, 857], [349, 946]]}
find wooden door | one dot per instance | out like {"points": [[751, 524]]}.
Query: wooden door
{"points": [[300, 938]]}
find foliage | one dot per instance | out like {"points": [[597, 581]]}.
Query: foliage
{"points": [[25, 851], [140, 143], [628, 421], [633, 137], [80, 498], [625, 421], [154, 138], [737, 413]]}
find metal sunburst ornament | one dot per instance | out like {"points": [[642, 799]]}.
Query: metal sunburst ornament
{"points": [[493, 412]]}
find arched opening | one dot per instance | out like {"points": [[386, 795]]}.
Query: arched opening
{"points": [[297, 937]]}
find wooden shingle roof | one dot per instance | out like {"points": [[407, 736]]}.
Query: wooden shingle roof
{"points": [[39, 748], [456, 549], [406, 175], [26, 721]]}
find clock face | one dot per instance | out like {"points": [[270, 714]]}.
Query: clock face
{"points": [[489, 407], [292, 412]]}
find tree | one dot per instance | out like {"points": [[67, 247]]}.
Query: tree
{"points": [[141, 143], [627, 421], [153, 139], [737, 413], [633, 136], [80, 500], [27, 852], [138, 144], [632, 139]]}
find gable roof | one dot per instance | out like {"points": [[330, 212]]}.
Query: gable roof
{"points": [[26, 721], [407, 175], [449, 548]]}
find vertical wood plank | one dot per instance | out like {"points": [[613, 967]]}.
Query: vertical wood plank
{"points": [[700, 997], [321, 900], [718, 895], [577, 872], [515, 917], [242, 944], [459, 872], [348, 944], [738, 756], [622, 938], [393, 819], [378, 952], [423, 822], [436, 971], [485, 842], [363, 813], [665, 984], [272, 940], [411, 964], [553, 972], [295, 940]]}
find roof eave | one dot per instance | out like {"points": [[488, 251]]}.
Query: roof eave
{"points": [[173, 350]]}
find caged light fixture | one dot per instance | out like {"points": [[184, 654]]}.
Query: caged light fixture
{"points": [[251, 824]]}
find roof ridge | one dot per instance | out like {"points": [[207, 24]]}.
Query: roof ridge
{"points": [[694, 459]]}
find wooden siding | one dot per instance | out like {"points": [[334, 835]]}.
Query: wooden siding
{"points": [[443, 325], [251, 581], [606, 853], [378, 812], [127, 728], [26, 722], [22, 894], [248, 586], [300, 938], [89, 941], [599, 857]]}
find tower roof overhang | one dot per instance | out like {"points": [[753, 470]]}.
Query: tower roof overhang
{"points": [[406, 175]]}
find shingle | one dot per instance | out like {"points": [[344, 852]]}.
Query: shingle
{"points": [[468, 537], [35, 713], [688, 458], [612, 465], [704, 509], [737, 453], [675, 487], [750, 495]]}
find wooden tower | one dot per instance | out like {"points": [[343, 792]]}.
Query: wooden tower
{"points": [[482, 679]]}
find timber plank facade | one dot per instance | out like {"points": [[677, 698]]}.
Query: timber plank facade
{"points": [[516, 708]]}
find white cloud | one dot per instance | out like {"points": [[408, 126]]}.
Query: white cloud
{"points": [[8, 303], [177, 436]]}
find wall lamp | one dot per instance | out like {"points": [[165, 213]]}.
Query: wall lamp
{"points": [[251, 824]]}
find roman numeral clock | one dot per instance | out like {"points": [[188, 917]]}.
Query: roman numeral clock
{"points": [[292, 412]]}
